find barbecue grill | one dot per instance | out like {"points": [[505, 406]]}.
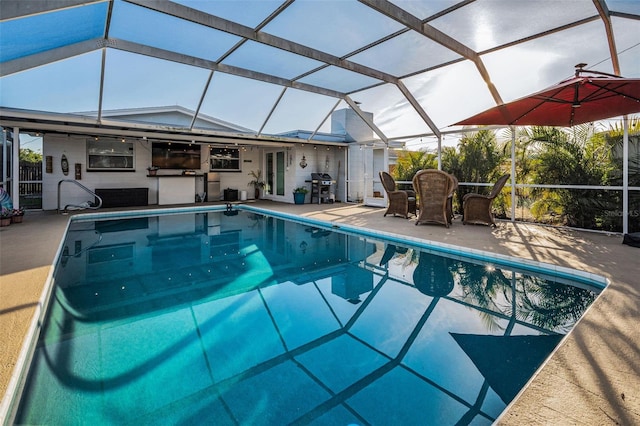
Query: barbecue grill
{"points": [[321, 187]]}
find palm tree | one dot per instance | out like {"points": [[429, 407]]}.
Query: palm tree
{"points": [[572, 157], [411, 162], [477, 159], [613, 144]]}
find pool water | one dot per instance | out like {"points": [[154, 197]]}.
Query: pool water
{"points": [[243, 318]]}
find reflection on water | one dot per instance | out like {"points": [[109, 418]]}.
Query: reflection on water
{"points": [[250, 319]]}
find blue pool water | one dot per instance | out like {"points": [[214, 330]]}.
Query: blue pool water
{"points": [[242, 318]]}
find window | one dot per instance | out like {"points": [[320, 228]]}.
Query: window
{"points": [[110, 155], [224, 159]]}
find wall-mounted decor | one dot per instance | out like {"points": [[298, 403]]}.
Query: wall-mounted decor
{"points": [[78, 171], [64, 163], [48, 164], [303, 162]]}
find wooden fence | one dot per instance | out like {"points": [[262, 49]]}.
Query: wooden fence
{"points": [[30, 178]]}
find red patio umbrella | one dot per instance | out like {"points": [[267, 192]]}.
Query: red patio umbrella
{"points": [[581, 99]]}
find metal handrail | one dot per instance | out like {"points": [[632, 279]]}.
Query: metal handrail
{"points": [[76, 205]]}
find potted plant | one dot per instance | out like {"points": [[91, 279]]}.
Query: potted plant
{"points": [[299, 194], [257, 182], [5, 216], [153, 170], [18, 215]]}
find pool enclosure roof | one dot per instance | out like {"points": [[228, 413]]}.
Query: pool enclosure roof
{"points": [[269, 68]]}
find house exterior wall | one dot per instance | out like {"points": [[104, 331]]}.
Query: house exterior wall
{"points": [[346, 165], [75, 150], [250, 159], [320, 159]]}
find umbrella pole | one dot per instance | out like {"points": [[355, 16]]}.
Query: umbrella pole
{"points": [[625, 176], [513, 173]]}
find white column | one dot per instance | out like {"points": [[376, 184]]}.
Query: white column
{"points": [[15, 168]]}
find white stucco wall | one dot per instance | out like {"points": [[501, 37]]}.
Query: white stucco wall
{"points": [[74, 148], [356, 173], [319, 160], [347, 122], [249, 160]]}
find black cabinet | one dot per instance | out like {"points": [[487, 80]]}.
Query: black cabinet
{"points": [[123, 197], [230, 194]]}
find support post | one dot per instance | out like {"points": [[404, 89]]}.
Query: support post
{"points": [[15, 168], [625, 176]]}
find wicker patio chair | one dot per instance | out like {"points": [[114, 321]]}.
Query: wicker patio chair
{"points": [[433, 188], [476, 208], [401, 202]]}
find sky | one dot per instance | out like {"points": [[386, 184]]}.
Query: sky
{"points": [[339, 27]]}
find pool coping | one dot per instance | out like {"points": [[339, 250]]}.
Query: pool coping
{"points": [[17, 381], [8, 405]]}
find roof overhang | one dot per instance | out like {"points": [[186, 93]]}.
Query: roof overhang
{"points": [[48, 122]]}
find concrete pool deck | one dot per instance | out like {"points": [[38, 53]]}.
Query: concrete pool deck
{"points": [[592, 379]]}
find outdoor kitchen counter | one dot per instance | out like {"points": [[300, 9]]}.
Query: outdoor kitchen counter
{"points": [[176, 189]]}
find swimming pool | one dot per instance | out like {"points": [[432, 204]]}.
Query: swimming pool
{"points": [[243, 317]]}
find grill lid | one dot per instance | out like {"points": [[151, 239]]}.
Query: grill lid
{"points": [[321, 178]]}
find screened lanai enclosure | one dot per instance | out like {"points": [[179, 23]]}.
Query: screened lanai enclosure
{"points": [[284, 89]]}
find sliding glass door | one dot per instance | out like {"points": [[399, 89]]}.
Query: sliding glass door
{"points": [[275, 174]]}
